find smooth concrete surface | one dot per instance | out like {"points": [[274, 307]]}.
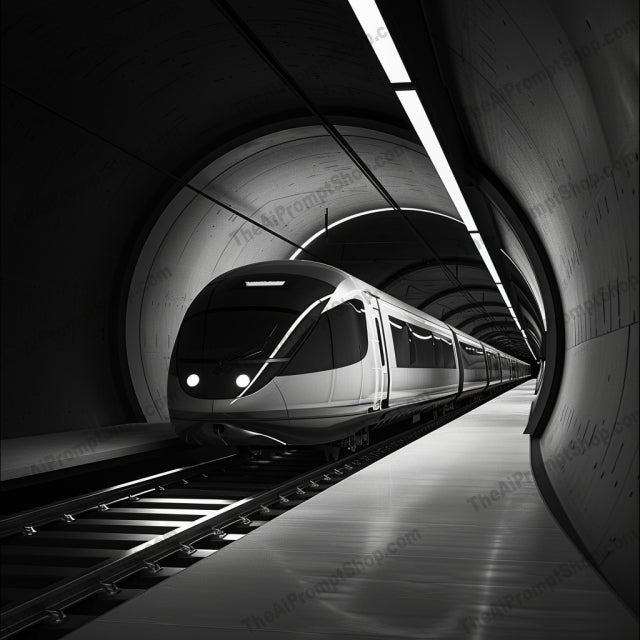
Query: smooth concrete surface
{"points": [[591, 453], [564, 143], [29, 456], [417, 558]]}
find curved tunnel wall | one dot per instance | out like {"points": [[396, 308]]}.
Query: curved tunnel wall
{"points": [[284, 180], [541, 116], [556, 120]]}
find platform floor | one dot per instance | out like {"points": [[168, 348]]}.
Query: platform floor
{"points": [[28, 456], [400, 550]]}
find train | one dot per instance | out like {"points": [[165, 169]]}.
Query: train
{"points": [[285, 353]]}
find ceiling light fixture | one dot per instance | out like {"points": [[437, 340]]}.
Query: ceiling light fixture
{"points": [[422, 125], [264, 283], [373, 25], [484, 254], [317, 234], [503, 293]]}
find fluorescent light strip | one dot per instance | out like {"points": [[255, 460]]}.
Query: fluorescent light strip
{"points": [[374, 27], [380, 39], [264, 283], [526, 341], [317, 234], [420, 121], [504, 295], [531, 351], [484, 254], [515, 318]]}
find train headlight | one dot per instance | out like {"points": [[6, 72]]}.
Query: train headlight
{"points": [[243, 380], [193, 380]]}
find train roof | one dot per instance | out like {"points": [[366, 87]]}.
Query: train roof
{"points": [[335, 277]]}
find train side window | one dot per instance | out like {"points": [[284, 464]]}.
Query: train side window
{"points": [[432, 350], [448, 359], [494, 371], [423, 341], [438, 349], [401, 342], [472, 357], [413, 353], [348, 332], [316, 353]]}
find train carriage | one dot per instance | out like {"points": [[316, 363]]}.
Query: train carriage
{"points": [[299, 352]]}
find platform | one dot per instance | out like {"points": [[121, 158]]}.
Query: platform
{"points": [[33, 455], [447, 538]]}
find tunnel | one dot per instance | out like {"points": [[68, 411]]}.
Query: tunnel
{"points": [[149, 148]]}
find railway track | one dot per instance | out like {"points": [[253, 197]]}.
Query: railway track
{"points": [[67, 563]]}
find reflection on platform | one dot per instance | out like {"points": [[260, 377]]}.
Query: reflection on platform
{"points": [[446, 538]]}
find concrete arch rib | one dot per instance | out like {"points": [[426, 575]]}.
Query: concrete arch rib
{"points": [[283, 180]]}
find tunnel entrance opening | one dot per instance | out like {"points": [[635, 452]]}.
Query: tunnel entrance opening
{"points": [[303, 198]]}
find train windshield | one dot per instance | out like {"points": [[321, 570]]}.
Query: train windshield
{"points": [[225, 335], [241, 332]]}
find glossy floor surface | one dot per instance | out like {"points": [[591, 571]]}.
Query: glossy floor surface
{"points": [[446, 538]]}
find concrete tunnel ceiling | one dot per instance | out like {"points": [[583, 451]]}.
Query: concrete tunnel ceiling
{"points": [[286, 179], [125, 119]]}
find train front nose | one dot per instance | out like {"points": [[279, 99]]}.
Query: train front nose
{"points": [[237, 336], [230, 402], [257, 419]]}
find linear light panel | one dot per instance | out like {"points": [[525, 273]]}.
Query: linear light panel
{"points": [[375, 29], [515, 318], [504, 295], [422, 125], [334, 224], [531, 350], [380, 39], [482, 249], [264, 283]]}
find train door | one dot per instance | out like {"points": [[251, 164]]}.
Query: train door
{"points": [[487, 362], [457, 349], [382, 383]]}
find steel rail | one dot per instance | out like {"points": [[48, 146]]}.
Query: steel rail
{"points": [[17, 523]]}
